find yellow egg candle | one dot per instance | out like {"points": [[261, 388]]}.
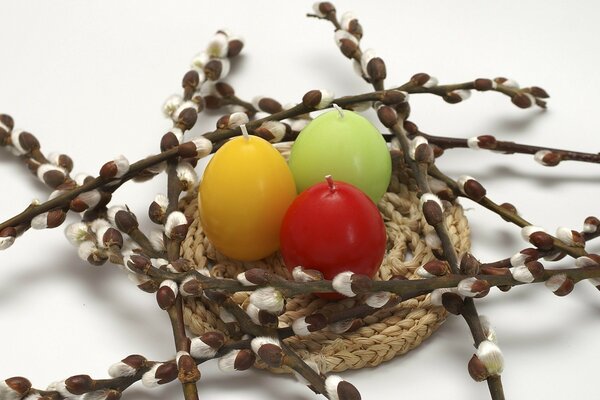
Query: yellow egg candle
{"points": [[246, 189]]}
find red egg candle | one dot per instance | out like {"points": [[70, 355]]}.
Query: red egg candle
{"points": [[333, 227]]}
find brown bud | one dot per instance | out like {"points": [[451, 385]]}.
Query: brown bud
{"points": [[55, 218], [269, 105], [536, 268], [347, 391], [376, 69], [188, 371], [156, 213], [212, 102], [486, 142], [112, 394], [403, 109], [179, 232], [126, 221], [481, 287], [223, 122], [436, 267], [477, 369], [326, 8], [453, 303], [109, 170], [148, 286], [4, 137], [165, 297], [538, 92], [420, 79], [424, 154], [192, 287], [79, 384], [28, 142], [592, 221], [190, 80], [483, 84], [452, 98], [541, 240], [566, 288], [19, 384], [187, 150], [271, 354], [510, 208], [411, 127], [244, 360], [213, 69], [521, 100], [135, 361], [257, 276], [387, 115], [8, 121], [312, 98], [8, 231], [213, 339], [348, 48], [474, 190], [360, 283], [316, 322], [433, 212], [187, 118], [65, 162], [267, 319], [551, 159], [355, 28], [182, 264], [469, 265], [166, 373], [139, 263], [224, 89], [112, 237], [391, 97], [54, 178], [168, 141], [234, 48]]}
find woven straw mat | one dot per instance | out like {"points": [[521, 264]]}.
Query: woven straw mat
{"points": [[383, 335]]}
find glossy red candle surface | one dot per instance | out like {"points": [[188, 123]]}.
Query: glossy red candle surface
{"points": [[333, 229]]}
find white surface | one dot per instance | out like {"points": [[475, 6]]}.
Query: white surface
{"points": [[89, 78]]}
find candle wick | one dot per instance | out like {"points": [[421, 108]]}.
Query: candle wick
{"points": [[330, 182], [245, 131], [339, 109]]}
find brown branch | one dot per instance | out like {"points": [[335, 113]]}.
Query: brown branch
{"points": [[503, 212]]}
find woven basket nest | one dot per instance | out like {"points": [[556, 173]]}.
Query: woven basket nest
{"points": [[384, 334]]}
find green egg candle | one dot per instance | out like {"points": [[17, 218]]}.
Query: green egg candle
{"points": [[346, 145]]}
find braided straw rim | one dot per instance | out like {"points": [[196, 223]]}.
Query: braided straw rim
{"points": [[383, 335]]}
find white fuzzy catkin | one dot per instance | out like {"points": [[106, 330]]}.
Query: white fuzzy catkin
{"points": [[490, 355], [7, 393], [331, 386], [464, 287], [149, 379], [342, 283], [171, 104], [555, 282], [6, 242], [227, 362], [157, 240], [85, 249], [378, 299], [40, 221], [528, 230], [120, 369], [522, 274], [268, 299], [260, 341], [416, 142], [176, 218], [199, 349]]}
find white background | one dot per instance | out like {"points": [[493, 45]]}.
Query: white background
{"points": [[89, 78]]}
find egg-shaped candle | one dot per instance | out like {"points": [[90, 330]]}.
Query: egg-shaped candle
{"points": [[333, 227], [244, 194], [346, 145]]}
